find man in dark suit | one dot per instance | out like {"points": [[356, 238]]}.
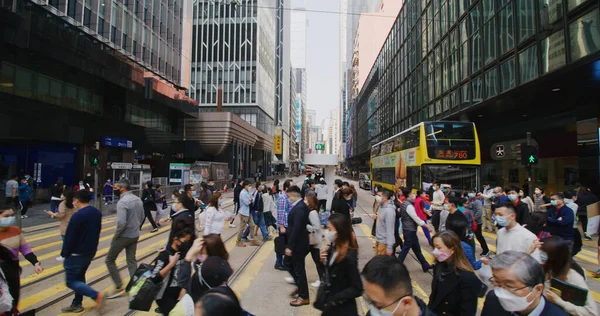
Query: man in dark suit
{"points": [[518, 287], [297, 245]]}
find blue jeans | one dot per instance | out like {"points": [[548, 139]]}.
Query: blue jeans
{"points": [[427, 234], [411, 241], [54, 206], [75, 268], [260, 221]]}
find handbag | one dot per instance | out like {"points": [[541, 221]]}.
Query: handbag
{"points": [[142, 289], [313, 239], [323, 291]]}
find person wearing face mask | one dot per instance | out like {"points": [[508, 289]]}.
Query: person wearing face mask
{"points": [[167, 269], [558, 265], [182, 219], [315, 235], [388, 289], [376, 203], [527, 200], [64, 214], [410, 222], [79, 249], [215, 217], [322, 194], [298, 246], [130, 217], [256, 210], [476, 208], [343, 204], [455, 286], [518, 281], [488, 200], [520, 206], [437, 205], [560, 218], [513, 236], [422, 212], [12, 238], [340, 257], [386, 218], [246, 218], [540, 201], [25, 195]]}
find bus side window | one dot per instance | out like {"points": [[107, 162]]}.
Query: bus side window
{"points": [[413, 177]]}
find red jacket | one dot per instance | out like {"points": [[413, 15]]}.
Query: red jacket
{"points": [[420, 208]]}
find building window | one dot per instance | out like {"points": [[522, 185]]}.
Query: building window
{"points": [[477, 88], [464, 61], [507, 75], [489, 42], [526, 9], [466, 95], [553, 52], [491, 83], [528, 64], [475, 52], [506, 27], [550, 12], [584, 35], [488, 9], [572, 4]]}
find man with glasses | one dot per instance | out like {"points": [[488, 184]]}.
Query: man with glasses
{"points": [[388, 289], [518, 281]]}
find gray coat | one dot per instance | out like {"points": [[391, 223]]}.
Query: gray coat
{"points": [[314, 225], [476, 209]]}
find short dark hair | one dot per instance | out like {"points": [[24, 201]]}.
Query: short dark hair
{"points": [[309, 182], [287, 184], [188, 187], [389, 273], [559, 195], [83, 196], [210, 180], [294, 189], [454, 200], [338, 182], [346, 183], [245, 183], [406, 192], [508, 206], [14, 176], [569, 194], [436, 182], [387, 193], [149, 184], [419, 192]]}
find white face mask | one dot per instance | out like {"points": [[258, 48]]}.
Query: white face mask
{"points": [[330, 236], [378, 199], [7, 221], [374, 311], [510, 301]]}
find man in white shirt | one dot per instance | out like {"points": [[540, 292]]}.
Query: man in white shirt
{"points": [[437, 205], [513, 236]]}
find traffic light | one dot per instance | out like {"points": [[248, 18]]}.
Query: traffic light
{"points": [[529, 155], [95, 157]]}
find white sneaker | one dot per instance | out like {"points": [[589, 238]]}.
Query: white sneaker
{"points": [[290, 280], [59, 258], [316, 284], [232, 226]]}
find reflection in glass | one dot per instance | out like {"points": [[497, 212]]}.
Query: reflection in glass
{"points": [[489, 42], [488, 9], [528, 64], [506, 27], [507, 75], [491, 83], [526, 9], [553, 52], [550, 12], [475, 52], [584, 35], [477, 88], [572, 4], [464, 61]]}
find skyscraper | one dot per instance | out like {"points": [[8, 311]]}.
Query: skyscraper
{"points": [[234, 48]]}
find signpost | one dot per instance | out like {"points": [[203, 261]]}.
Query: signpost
{"points": [[509, 150], [121, 165], [320, 146]]}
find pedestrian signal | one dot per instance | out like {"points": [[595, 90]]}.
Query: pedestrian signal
{"points": [[95, 157], [529, 155]]}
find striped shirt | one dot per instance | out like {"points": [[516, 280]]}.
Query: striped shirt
{"points": [[12, 238]]}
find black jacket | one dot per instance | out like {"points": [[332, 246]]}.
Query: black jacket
{"points": [[345, 285], [183, 219], [342, 207], [492, 307], [522, 213], [584, 199], [456, 294], [425, 311], [297, 237], [236, 193]]}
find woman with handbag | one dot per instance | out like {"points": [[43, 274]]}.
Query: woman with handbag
{"points": [[455, 287], [341, 279], [315, 236]]}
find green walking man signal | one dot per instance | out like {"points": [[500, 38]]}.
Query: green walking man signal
{"points": [[529, 155], [95, 157]]}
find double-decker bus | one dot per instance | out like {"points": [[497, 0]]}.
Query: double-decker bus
{"points": [[444, 151]]}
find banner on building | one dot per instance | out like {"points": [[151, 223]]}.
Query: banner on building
{"points": [[277, 142]]}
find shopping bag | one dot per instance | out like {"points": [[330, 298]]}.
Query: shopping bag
{"points": [[142, 289]]}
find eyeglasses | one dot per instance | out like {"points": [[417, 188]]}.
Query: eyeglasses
{"points": [[511, 289]]}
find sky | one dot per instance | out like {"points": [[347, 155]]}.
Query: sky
{"points": [[323, 57]]}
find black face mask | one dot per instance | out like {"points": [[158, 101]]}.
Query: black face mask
{"points": [[117, 192], [185, 246]]}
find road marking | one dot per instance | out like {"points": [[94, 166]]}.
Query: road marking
{"points": [[42, 236], [60, 267], [53, 290], [56, 253], [55, 243], [250, 273]]}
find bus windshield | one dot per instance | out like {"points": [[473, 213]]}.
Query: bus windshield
{"points": [[458, 177], [450, 140]]}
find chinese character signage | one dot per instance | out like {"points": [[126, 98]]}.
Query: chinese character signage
{"points": [[277, 142]]}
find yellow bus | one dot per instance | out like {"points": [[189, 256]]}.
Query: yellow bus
{"points": [[445, 151]]}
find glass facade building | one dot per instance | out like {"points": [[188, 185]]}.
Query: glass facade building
{"points": [[480, 60], [234, 47]]}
